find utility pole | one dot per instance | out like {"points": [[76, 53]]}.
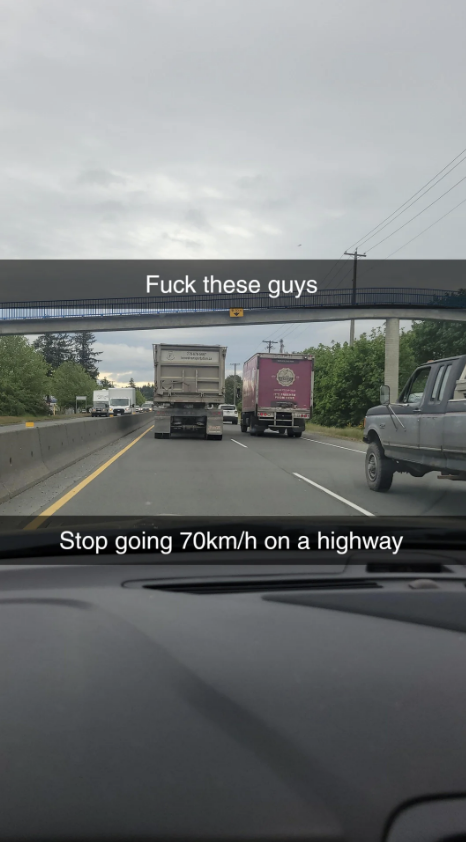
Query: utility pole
{"points": [[234, 382], [282, 346], [355, 255], [269, 343]]}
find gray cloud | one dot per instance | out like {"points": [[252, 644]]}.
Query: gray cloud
{"points": [[100, 178], [262, 116], [196, 218]]}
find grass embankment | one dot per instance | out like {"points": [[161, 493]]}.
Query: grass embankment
{"points": [[5, 420], [349, 433]]}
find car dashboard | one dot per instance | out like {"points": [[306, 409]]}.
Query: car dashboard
{"points": [[152, 701]]}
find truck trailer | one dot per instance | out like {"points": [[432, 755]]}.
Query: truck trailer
{"points": [[277, 393], [189, 386], [122, 401]]}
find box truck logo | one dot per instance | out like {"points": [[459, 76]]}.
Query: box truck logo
{"points": [[286, 377]]}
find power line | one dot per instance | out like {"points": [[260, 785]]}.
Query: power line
{"points": [[366, 236], [418, 214], [366, 239], [331, 269], [426, 229]]}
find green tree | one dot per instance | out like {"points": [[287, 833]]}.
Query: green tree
{"points": [[70, 380], [23, 377], [148, 391], [434, 340], [131, 383], [140, 399], [230, 386], [84, 353], [348, 377], [56, 348], [105, 384]]}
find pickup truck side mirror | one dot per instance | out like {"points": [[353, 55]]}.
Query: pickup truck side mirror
{"points": [[385, 395]]}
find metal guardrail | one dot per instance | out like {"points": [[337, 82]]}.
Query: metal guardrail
{"points": [[370, 297]]}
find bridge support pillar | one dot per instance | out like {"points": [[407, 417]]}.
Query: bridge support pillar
{"points": [[392, 356]]}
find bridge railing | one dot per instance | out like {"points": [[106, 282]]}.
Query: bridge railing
{"points": [[370, 297]]}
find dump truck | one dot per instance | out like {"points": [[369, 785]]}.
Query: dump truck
{"points": [[189, 386], [277, 393]]}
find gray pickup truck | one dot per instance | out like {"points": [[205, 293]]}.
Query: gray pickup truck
{"points": [[424, 430], [100, 410]]}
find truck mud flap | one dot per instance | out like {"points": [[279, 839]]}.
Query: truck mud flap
{"points": [[214, 428], [162, 424]]}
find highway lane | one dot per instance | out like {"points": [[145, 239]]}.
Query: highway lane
{"points": [[239, 476]]}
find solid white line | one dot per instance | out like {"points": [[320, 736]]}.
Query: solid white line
{"points": [[332, 494], [238, 442], [340, 446]]}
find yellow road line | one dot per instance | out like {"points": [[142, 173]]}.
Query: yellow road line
{"points": [[38, 521]]}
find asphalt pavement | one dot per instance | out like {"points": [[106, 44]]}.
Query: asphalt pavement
{"points": [[239, 476]]}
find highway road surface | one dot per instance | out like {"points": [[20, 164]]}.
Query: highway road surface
{"points": [[240, 476]]}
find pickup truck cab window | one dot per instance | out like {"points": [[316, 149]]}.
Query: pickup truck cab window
{"points": [[438, 380], [414, 391], [444, 382]]}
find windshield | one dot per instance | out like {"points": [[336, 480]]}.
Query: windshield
{"points": [[247, 218]]}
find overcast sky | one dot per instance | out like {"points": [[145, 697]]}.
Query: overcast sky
{"points": [[227, 129]]}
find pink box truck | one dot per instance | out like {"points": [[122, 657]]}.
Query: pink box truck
{"points": [[277, 393]]}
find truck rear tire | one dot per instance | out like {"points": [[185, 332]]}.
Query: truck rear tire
{"points": [[255, 429], [290, 433], [298, 434], [379, 469], [244, 428], [282, 431]]}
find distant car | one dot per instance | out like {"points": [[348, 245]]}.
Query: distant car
{"points": [[230, 413], [148, 406], [138, 408], [100, 409]]}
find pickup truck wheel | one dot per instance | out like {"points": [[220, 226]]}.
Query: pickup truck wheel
{"points": [[379, 469]]}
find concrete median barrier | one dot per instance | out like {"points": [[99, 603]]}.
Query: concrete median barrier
{"points": [[21, 464], [31, 455]]}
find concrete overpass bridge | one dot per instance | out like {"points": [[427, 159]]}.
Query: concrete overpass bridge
{"points": [[149, 313]]}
